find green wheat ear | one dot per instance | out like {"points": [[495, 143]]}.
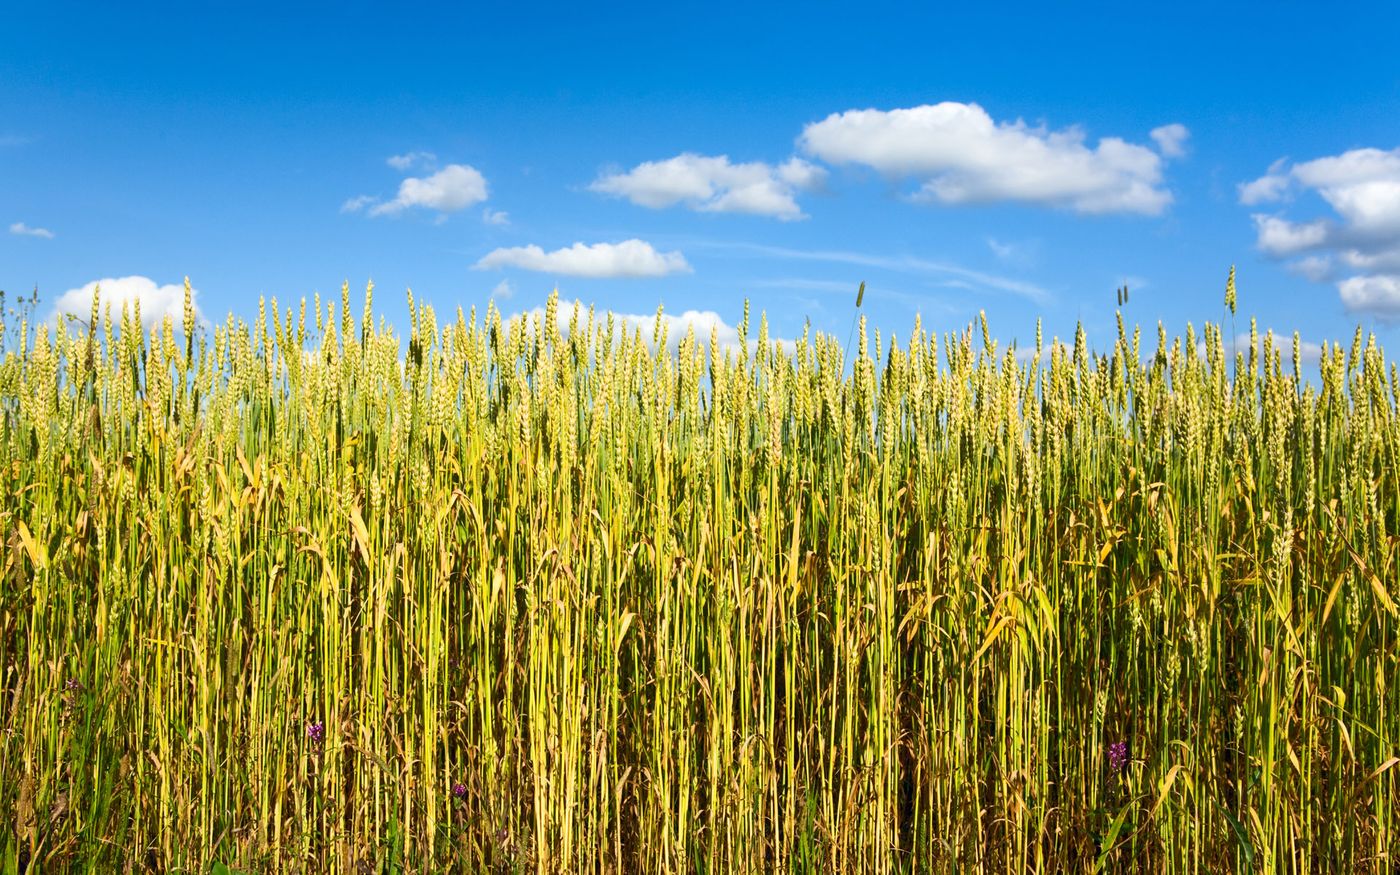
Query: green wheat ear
{"points": [[860, 295], [1230, 291]]}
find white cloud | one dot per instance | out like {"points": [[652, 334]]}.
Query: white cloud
{"points": [[1362, 188], [1171, 139], [1377, 260], [1280, 237], [503, 290], [454, 187], [713, 184], [1272, 186], [409, 159], [676, 326], [157, 301], [355, 204], [630, 258], [1378, 295], [1265, 189], [961, 155], [495, 217], [25, 230]]}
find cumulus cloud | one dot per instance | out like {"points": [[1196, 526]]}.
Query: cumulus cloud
{"points": [[714, 184], [630, 258], [1280, 237], [24, 230], [495, 217], [676, 326], [454, 187], [1378, 295], [503, 289], [960, 155], [410, 159], [1360, 238], [157, 301]]}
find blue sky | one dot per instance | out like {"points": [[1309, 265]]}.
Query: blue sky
{"points": [[1016, 159]]}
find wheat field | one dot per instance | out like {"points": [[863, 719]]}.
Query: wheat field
{"points": [[573, 595]]}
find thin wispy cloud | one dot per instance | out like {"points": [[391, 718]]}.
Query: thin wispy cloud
{"points": [[958, 154], [630, 258], [1001, 250], [845, 290], [410, 159], [1357, 246], [25, 231], [355, 204], [818, 285], [713, 184], [495, 217], [897, 264]]}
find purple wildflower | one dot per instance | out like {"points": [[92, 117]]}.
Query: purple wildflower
{"points": [[459, 791], [74, 684], [316, 731], [1118, 756]]}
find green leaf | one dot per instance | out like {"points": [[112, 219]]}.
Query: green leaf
{"points": [[1243, 837], [1114, 829]]}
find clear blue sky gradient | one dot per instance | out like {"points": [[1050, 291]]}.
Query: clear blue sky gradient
{"points": [[220, 141]]}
